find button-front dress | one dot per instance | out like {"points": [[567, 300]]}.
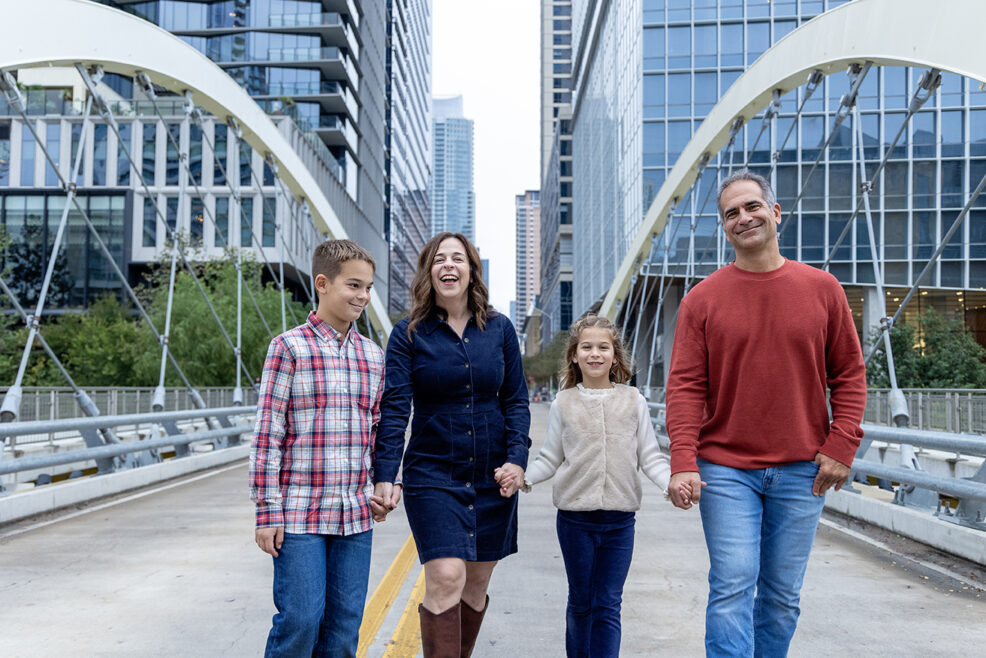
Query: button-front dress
{"points": [[471, 416]]}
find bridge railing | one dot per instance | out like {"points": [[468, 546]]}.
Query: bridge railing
{"points": [[948, 496], [221, 427], [56, 403], [942, 409]]}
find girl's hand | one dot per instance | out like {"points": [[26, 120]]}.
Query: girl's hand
{"points": [[510, 477]]}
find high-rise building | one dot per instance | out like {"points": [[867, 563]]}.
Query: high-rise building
{"points": [[555, 294], [528, 266], [453, 197], [324, 69], [645, 74], [407, 218]]}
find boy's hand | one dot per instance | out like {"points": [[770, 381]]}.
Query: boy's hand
{"points": [[510, 477], [384, 500], [269, 540]]}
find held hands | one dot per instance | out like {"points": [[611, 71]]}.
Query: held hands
{"points": [[830, 473], [685, 488], [269, 540], [384, 500], [510, 477]]}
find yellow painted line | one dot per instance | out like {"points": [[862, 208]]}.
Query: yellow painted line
{"points": [[406, 642], [384, 596]]}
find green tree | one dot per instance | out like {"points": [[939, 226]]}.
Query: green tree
{"points": [[544, 365], [939, 353]]}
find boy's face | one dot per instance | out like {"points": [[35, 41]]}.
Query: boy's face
{"points": [[342, 300]]}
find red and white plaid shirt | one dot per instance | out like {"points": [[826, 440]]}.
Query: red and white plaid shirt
{"points": [[311, 462]]}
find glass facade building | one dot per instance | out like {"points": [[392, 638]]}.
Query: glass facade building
{"points": [[555, 295], [453, 197], [407, 218], [649, 71]]}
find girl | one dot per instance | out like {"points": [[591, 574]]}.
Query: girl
{"points": [[599, 434]]}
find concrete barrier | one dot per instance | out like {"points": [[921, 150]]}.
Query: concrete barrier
{"points": [[915, 524], [22, 504]]}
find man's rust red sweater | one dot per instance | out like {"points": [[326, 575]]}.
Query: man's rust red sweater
{"points": [[753, 355]]}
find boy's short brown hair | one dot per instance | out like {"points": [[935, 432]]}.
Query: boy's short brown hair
{"points": [[331, 254]]}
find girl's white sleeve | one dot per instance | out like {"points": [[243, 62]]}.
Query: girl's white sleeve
{"points": [[653, 462], [552, 454]]}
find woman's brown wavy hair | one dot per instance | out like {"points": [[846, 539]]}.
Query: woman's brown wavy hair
{"points": [[619, 373], [423, 294]]}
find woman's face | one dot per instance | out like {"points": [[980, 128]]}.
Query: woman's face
{"points": [[450, 273]]}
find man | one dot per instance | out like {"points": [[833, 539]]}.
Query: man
{"points": [[756, 345]]}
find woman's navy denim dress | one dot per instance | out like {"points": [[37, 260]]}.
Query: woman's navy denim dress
{"points": [[471, 415]]}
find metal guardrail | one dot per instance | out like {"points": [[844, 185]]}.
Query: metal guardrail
{"points": [[915, 486], [945, 409], [112, 454]]}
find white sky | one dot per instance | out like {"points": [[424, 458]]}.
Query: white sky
{"points": [[489, 52]]}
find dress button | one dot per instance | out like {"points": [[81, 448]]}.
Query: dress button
{"points": [[469, 432], [465, 340], [472, 534], [470, 507], [468, 385], [467, 405], [467, 365], [468, 484], [470, 459]]}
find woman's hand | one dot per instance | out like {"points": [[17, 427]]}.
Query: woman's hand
{"points": [[384, 500], [510, 477]]}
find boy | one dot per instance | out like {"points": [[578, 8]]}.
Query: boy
{"points": [[311, 461]]}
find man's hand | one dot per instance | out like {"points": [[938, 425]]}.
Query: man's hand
{"points": [[510, 477], [384, 500], [830, 472], [269, 540], [685, 488]]}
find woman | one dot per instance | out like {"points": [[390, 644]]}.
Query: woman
{"points": [[459, 362]]}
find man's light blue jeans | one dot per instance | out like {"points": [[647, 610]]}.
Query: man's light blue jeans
{"points": [[319, 591], [759, 528]]}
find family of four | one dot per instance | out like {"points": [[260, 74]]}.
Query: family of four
{"points": [[763, 348]]}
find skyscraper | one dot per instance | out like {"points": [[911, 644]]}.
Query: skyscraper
{"points": [[556, 165], [528, 272], [407, 218], [453, 199]]}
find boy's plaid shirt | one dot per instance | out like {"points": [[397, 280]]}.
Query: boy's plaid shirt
{"points": [[311, 462]]}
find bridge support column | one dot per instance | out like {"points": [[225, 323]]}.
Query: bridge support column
{"points": [[874, 308], [672, 300]]}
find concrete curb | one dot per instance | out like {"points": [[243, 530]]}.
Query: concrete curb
{"points": [[62, 494], [921, 526]]}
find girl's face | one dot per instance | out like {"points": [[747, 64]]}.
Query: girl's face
{"points": [[594, 356]]}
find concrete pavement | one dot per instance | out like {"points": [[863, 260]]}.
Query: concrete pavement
{"points": [[176, 572]]}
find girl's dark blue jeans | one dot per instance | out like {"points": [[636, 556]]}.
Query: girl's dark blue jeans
{"points": [[597, 548]]}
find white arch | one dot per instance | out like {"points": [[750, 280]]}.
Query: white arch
{"points": [[887, 32], [62, 32]]}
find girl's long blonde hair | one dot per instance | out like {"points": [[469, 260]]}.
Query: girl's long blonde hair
{"points": [[570, 374]]}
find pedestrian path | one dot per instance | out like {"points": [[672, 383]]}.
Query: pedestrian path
{"points": [[176, 572]]}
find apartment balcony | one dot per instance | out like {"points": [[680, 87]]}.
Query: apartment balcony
{"points": [[332, 96], [334, 63]]}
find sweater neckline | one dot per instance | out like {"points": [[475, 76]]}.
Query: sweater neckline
{"points": [[783, 270]]}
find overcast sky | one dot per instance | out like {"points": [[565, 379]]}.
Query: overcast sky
{"points": [[488, 51]]}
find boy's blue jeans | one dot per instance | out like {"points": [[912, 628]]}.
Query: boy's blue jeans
{"points": [[759, 528], [319, 590], [597, 548]]}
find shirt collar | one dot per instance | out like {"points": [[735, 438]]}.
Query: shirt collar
{"points": [[326, 332]]}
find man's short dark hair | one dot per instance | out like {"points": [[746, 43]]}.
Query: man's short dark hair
{"points": [[746, 174], [331, 254]]}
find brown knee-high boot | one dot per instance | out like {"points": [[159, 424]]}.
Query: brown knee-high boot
{"points": [[440, 633], [471, 621]]}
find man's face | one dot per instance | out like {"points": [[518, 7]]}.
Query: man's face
{"points": [[749, 223]]}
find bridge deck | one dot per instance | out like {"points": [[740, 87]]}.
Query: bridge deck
{"points": [[174, 571]]}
